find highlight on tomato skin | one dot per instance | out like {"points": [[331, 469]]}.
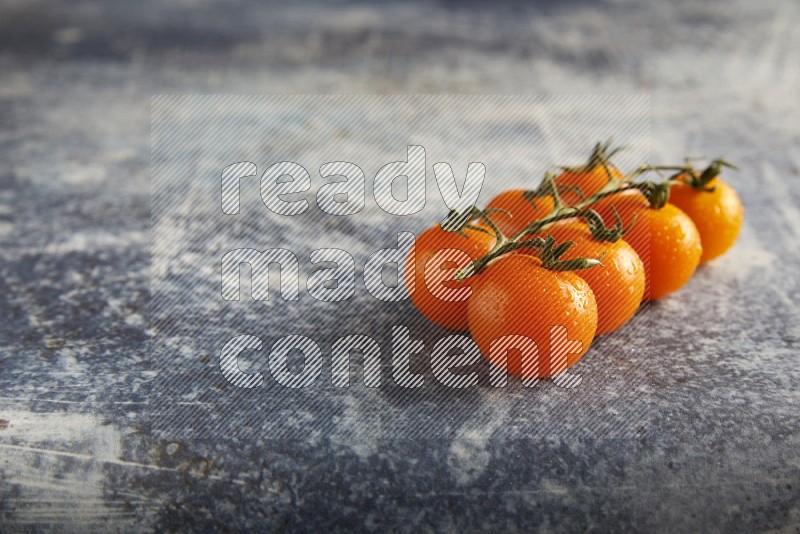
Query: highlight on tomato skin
{"points": [[666, 240], [432, 264], [519, 210], [717, 212], [618, 283], [515, 297]]}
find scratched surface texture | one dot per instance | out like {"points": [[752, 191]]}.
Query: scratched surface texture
{"points": [[712, 445]]}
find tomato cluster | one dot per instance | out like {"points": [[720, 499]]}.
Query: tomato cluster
{"points": [[577, 255]]}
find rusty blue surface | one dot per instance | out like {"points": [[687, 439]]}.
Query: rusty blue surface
{"points": [[717, 446]]}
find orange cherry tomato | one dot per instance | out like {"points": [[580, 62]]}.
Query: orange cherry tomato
{"points": [[718, 214], [666, 240], [521, 211], [618, 284], [432, 264], [516, 301], [590, 180]]}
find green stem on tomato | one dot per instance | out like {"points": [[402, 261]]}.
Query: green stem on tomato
{"points": [[657, 194]]}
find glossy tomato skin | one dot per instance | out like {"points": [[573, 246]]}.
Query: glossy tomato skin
{"points": [[590, 181], [516, 296], [448, 313], [718, 214], [521, 211], [618, 283], [666, 240]]}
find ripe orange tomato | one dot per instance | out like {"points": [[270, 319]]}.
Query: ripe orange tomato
{"points": [[717, 214], [666, 240], [521, 211], [590, 180], [618, 284], [432, 265], [514, 297]]}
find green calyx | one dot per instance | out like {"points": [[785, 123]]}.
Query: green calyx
{"points": [[701, 180], [550, 254], [601, 232], [601, 156], [657, 193], [548, 188]]}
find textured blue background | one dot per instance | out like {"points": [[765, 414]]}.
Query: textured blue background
{"points": [[717, 446]]}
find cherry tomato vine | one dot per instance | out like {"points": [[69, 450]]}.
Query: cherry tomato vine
{"points": [[654, 232]]}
